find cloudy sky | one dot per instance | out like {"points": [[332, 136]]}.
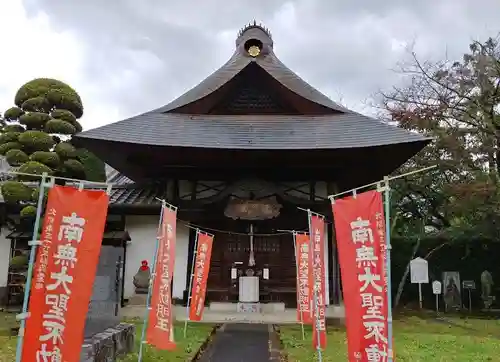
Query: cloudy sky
{"points": [[125, 57]]}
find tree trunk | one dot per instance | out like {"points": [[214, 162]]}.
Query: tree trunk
{"points": [[402, 283]]}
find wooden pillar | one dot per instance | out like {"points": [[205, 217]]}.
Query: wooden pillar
{"points": [[332, 255], [192, 239]]}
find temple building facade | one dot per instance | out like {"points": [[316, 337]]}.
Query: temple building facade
{"points": [[240, 154]]}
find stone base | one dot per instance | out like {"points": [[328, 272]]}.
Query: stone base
{"points": [[108, 345], [138, 299], [248, 307]]}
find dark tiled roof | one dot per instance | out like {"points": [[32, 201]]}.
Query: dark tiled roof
{"points": [[137, 195], [347, 130], [236, 64]]}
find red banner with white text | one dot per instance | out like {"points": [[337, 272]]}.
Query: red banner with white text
{"points": [[317, 278], [304, 292], [360, 231], [160, 325], [200, 275], [63, 274]]}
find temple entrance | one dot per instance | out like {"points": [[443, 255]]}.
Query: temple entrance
{"points": [[267, 256]]}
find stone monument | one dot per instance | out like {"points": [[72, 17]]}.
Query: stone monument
{"points": [[141, 284], [486, 289], [105, 337]]}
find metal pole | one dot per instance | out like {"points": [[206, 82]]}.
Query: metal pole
{"points": [[151, 281], [34, 242], [193, 261], [386, 179], [388, 266], [298, 289], [470, 301], [420, 295], [315, 299]]}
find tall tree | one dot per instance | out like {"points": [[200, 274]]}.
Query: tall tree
{"points": [[457, 104], [36, 138]]}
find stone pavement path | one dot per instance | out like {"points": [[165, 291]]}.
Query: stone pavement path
{"points": [[239, 343]]}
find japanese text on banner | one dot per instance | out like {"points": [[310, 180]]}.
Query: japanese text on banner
{"points": [[317, 279], [64, 273], [159, 331], [200, 277], [304, 293], [360, 230]]}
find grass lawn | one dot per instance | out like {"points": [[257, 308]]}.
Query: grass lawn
{"points": [[416, 339], [186, 348], [7, 343]]}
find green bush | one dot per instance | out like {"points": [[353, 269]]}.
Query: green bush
{"points": [[16, 157], [15, 191], [33, 168], [36, 140], [13, 113], [74, 168], [59, 126], [28, 211], [58, 94], [50, 159], [13, 128], [36, 104], [65, 150], [94, 167], [10, 146], [19, 261], [34, 120], [9, 137], [68, 117]]}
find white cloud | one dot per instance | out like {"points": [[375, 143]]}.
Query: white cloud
{"points": [[32, 49], [126, 56]]}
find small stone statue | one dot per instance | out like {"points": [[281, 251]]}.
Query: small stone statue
{"points": [[486, 288], [141, 278]]}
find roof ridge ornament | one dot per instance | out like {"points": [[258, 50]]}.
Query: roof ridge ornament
{"points": [[255, 25]]}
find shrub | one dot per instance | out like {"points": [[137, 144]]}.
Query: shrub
{"points": [[13, 113], [34, 119], [34, 168], [59, 126], [65, 150], [14, 191], [36, 140], [10, 146], [50, 159], [16, 157]]}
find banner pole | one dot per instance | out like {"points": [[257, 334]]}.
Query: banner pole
{"points": [[332, 197], [387, 192], [150, 286], [193, 261], [315, 297], [298, 290], [34, 243]]}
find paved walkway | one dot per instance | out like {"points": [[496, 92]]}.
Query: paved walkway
{"points": [[239, 343]]}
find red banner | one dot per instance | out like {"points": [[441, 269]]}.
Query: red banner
{"points": [[304, 293], [200, 275], [360, 230], [160, 326], [317, 279], [64, 273]]}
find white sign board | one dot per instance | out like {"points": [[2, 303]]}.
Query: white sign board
{"points": [[234, 273], [436, 287], [265, 273], [419, 271]]}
